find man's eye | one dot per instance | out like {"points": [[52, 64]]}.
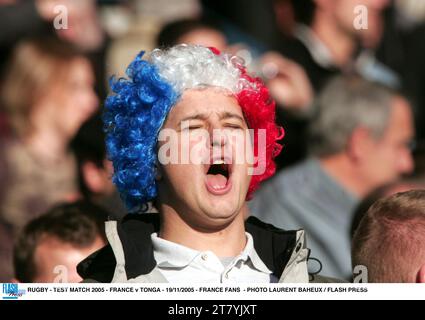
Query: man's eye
{"points": [[233, 126], [194, 127]]}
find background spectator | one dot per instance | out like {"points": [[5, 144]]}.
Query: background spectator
{"points": [[191, 31], [46, 103], [95, 170], [360, 140], [390, 239], [50, 246], [402, 185]]}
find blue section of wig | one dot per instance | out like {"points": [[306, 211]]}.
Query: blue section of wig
{"points": [[134, 114]]}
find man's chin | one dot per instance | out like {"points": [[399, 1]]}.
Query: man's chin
{"points": [[221, 214], [223, 206], [215, 224]]}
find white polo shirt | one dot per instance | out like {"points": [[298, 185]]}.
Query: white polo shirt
{"points": [[180, 264]]}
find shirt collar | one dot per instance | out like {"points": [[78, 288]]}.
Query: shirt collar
{"points": [[170, 254], [250, 253]]}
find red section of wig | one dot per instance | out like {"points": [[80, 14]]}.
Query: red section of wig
{"points": [[260, 113]]}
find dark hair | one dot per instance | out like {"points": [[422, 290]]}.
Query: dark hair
{"points": [[173, 31], [34, 65], [304, 11], [89, 146], [78, 224]]}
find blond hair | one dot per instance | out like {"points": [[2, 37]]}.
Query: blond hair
{"points": [[34, 67]]}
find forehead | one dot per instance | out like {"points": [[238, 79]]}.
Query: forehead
{"points": [[208, 102], [52, 251], [205, 37]]}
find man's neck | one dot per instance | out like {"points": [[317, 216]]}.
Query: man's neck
{"points": [[228, 241], [340, 44], [341, 170]]}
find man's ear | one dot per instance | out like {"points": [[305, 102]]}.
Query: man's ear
{"points": [[92, 176], [420, 278], [359, 144]]}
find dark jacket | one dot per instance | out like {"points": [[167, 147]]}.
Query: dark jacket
{"points": [[129, 255]]}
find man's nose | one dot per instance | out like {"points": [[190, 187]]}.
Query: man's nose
{"points": [[218, 138]]}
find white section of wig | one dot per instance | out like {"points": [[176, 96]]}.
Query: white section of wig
{"points": [[192, 66]]}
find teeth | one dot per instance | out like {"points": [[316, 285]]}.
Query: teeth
{"points": [[218, 162]]}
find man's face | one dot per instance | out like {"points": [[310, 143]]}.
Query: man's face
{"points": [[390, 156], [72, 100], [344, 13], [209, 189], [205, 37], [57, 261]]}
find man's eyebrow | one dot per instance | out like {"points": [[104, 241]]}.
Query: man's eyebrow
{"points": [[224, 115], [194, 117], [227, 115]]}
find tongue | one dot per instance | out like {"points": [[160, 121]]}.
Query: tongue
{"points": [[216, 181]]}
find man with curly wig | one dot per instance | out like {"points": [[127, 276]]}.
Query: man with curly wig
{"points": [[202, 107]]}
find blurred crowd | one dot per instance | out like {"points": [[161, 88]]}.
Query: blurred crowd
{"points": [[351, 99]]}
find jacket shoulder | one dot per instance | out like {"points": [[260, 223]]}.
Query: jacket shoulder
{"points": [[134, 232], [98, 267], [273, 245]]}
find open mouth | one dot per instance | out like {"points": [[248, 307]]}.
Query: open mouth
{"points": [[219, 169], [218, 177]]}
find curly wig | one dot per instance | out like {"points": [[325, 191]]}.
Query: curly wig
{"points": [[138, 107]]}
